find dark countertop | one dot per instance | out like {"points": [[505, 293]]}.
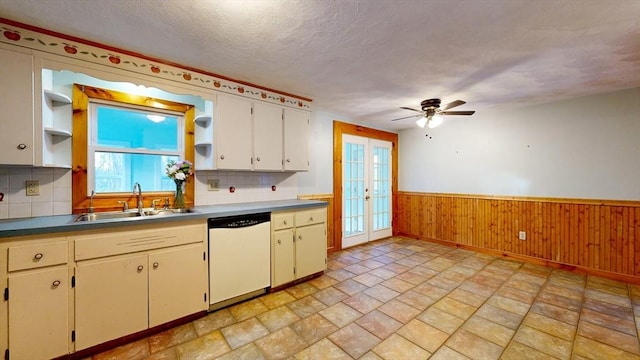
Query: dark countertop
{"points": [[64, 223]]}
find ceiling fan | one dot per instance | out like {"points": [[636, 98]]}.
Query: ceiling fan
{"points": [[431, 112]]}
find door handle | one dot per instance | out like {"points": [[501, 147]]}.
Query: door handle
{"points": [[367, 197]]}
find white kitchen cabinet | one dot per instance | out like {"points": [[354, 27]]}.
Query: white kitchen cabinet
{"points": [[296, 140], [233, 133], [37, 296], [131, 280], [56, 124], [16, 106], [111, 299], [267, 139], [298, 244]]}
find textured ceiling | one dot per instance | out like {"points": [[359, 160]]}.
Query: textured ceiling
{"points": [[363, 59]]}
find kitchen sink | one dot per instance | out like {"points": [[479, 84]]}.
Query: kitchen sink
{"points": [[129, 214]]}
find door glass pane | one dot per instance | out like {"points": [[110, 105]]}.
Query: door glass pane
{"points": [[353, 189], [381, 182]]}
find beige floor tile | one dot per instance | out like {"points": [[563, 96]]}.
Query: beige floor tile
{"points": [[399, 311], [469, 298], [543, 342], [357, 269], [608, 321], [340, 314], [306, 306], [172, 337], [278, 318], [614, 338], [439, 264], [616, 299], [247, 352], [323, 282], [244, 332], [383, 273], [550, 326], [510, 305], [350, 287], [379, 324], [416, 300], [278, 299], [396, 268], [372, 264], [340, 274], [397, 347], [214, 321], [489, 330], [368, 279], [397, 285], [423, 335], [280, 344], [411, 277], [354, 340], [441, 320], [431, 291], [473, 346], [518, 351], [168, 354], [205, 347], [330, 296], [301, 290], [381, 293], [445, 353], [455, 307], [135, 350], [595, 350], [500, 316], [313, 328], [517, 294], [363, 303], [555, 312], [423, 271], [323, 350], [564, 291], [248, 309], [560, 301]]}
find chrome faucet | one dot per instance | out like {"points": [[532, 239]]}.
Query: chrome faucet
{"points": [[137, 185], [91, 209]]}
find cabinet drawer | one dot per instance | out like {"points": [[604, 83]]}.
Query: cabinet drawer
{"points": [[114, 242], [308, 217], [37, 255], [281, 221]]}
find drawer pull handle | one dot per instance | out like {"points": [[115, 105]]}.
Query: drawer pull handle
{"points": [[258, 158], [311, 218], [155, 265], [38, 256], [21, 146], [279, 241], [56, 283], [221, 157], [140, 268], [300, 237], [284, 222]]}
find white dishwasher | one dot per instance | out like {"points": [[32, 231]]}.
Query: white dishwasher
{"points": [[239, 258]]}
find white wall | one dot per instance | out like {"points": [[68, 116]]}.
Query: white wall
{"points": [[581, 148]]}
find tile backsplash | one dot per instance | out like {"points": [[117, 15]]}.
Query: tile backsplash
{"points": [[54, 197], [55, 189]]}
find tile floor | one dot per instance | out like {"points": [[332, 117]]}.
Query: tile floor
{"points": [[406, 299]]}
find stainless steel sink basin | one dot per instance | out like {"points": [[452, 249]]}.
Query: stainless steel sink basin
{"points": [[164, 212], [105, 216]]}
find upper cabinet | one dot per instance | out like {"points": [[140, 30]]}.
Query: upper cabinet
{"points": [[233, 133], [296, 140], [16, 107], [267, 139], [251, 135]]}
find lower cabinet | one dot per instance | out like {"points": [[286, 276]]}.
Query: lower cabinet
{"points": [[298, 244]]}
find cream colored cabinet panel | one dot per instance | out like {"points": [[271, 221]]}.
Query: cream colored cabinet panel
{"points": [[296, 140], [39, 313], [311, 249], [233, 133], [111, 299], [37, 255], [267, 139], [282, 263], [16, 108], [282, 221], [177, 283]]}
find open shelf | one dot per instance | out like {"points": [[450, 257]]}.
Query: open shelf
{"points": [[203, 120], [57, 132], [57, 98]]}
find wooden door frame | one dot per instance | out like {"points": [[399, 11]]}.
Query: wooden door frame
{"points": [[339, 129]]}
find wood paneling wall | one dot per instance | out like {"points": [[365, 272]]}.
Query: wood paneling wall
{"points": [[331, 242], [596, 236]]}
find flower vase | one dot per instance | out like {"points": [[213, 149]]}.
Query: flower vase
{"points": [[178, 202]]}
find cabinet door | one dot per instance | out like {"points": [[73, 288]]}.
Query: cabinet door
{"points": [[177, 283], [39, 313], [233, 133], [296, 140], [16, 108], [311, 249], [111, 299], [267, 140], [282, 266]]}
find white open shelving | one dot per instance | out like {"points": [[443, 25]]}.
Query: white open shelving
{"points": [[204, 138], [56, 124]]}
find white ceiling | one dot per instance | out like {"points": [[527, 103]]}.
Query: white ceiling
{"points": [[363, 59]]}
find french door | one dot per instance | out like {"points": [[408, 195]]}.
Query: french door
{"points": [[366, 190]]}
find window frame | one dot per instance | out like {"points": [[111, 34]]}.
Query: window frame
{"points": [[82, 95]]}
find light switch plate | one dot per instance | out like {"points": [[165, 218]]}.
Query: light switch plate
{"points": [[213, 185], [32, 187]]}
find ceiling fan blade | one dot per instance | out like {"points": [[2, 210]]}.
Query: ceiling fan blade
{"points": [[457, 112], [452, 105], [408, 108], [407, 117]]}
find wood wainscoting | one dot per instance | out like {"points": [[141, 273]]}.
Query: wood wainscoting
{"points": [[331, 242], [599, 237]]}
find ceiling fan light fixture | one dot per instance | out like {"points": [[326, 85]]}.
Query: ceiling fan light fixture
{"points": [[422, 121], [435, 121]]}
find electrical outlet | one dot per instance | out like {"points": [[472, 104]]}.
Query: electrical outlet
{"points": [[32, 187], [522, 235], [213, 185]]}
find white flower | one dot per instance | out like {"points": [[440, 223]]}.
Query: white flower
{"points": [[172, 170], [180, 176]]}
